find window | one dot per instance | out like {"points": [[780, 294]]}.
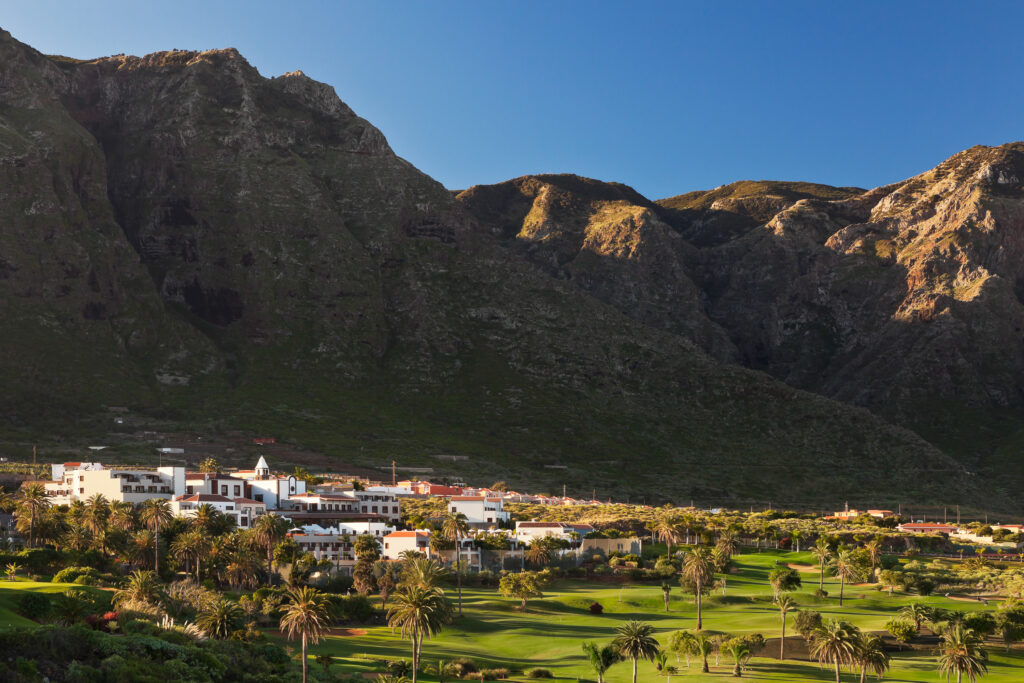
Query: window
{"points": [[258, 497], [238, 491], [224, 490]]}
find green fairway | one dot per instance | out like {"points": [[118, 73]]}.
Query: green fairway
{"points": [[549, 635]]}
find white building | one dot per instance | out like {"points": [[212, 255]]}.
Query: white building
{"points": [[80, 481], [272, 490], [529, 531], [480, 511], [323, 502], [242, 510], [335, 543], [378, 500], [398, 542]]}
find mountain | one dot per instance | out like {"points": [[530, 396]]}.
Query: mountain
{"points": [[220, 251]]}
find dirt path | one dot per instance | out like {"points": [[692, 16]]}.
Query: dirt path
{"points": [[803, 568], [346, 632]]}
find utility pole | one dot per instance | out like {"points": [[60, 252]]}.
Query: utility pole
{"points": [[943, 515], [563, 490], [394, 475], [958, 514], [33, 454]]}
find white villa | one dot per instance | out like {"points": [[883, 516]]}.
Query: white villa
{"points": [[481, 512], [79, 481]]}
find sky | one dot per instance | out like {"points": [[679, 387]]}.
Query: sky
{"points": [[667, 97]]}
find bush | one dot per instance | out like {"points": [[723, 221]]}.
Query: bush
{"points": [[83, 576], [356, 608], [539, 673], [35, 606], [596, 608], [398, 667], [494, 674], [461, 667], [820, 593]]}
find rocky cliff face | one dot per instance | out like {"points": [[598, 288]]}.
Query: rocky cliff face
{"points": [[181, 234]]}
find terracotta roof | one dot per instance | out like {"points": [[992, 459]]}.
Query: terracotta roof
{"points": [[249, 501], [540, 524], [72, 464], [204, 498], [407, 534]]}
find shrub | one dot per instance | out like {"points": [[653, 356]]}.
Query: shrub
{"points": [[901, 630], [352, 608], [596, 608], [398, 667], [539, 673], [84, 576], [35, 606], [461, 667], [820, 593], [494, 674]]}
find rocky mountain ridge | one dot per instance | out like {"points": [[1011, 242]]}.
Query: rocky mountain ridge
{"points": [[222, 250]]}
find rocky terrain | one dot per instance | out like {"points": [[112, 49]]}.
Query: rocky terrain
{"points": [[219, 250]]}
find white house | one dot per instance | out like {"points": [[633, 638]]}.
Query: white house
{"points": [[273, 490], [80, 481], [529, 531], [242, 510], [335, 543], [480, 511]]}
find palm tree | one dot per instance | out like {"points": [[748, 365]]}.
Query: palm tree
{"points": [[871, 654], [71, 605], [874, 548], [960, 652], [97, 513], [122, 516], [796, 535], [785, 604], [12, 570], [77, 537], [844, 566], [835, 642], [916, 612], [420, 613], [454, 528], [141, 586], [189, 548], [601, 658], [143, 546], [740, 653], [702, 646], [666, 591], [33, 498], [241, 570], [666, 528], [305, 616], [635, 641], [728, 543], [222, 618], [823, 552], [538, 553], [205, 516], [423, 572], [156, 514], [699, 568], [268, 531]]}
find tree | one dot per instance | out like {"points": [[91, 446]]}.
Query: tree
{"points": [[823, 553], [806, 621], [538, 553], [916, 612], [455, 528], [305, 616], [666, 528], [155, 515], [522, 585], [796, 535], [739, 650], [209, 465], [666, 591], [902, 631], [189, 548], [419, 613], [33, 500], [728, 543], [871, 655], [141, 586], [784, 580], [221, 619], [1010, 623], [268, 531], [367, 553], [635, 641], [12, 569], [71, 606], [205, 517], [702, 646], [698, 568], [874, 550], [423, 572], [835, 642], [601, 658], [785, 604], [844, 565], [960, 652]]}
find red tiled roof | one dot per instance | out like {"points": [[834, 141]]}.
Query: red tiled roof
{"points": [[204, 498], [248, 501], [407, 534]]}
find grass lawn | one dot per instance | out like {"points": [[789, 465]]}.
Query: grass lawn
{"points": [[549, 635]]}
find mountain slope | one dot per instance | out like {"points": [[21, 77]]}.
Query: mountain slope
{"points": [[286, 273]]}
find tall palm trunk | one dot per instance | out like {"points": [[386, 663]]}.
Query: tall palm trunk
{"points": [[842, 585], [156, 551], [634, 669], [32, 527], [782, 641], [704, 668], [700, 624], [821, 575], [416, 640], [304, 663], [863, 672], [458, 570], [836, 660]]}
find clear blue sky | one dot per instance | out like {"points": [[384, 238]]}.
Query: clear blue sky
{"points": [[665, 96]]}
